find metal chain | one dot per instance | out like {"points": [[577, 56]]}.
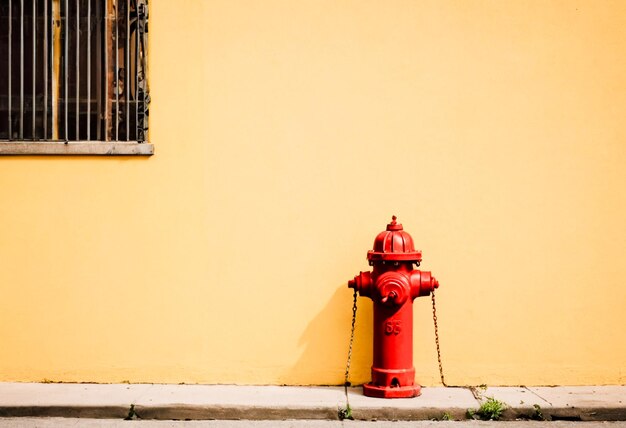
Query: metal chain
{"points": [[432, 296], [347, 383], [347, 413]]}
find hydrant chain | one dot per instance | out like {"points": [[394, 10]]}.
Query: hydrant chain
{"points": [[347, 382], [347, 412], [432, 296]]}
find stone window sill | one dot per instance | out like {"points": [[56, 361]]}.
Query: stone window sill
{"points": [[87, 148]]}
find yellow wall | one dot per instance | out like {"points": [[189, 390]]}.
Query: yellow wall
{"points": [[286, 134]]}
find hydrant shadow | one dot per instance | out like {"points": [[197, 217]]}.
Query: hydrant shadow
{"points": [[326, 341]]}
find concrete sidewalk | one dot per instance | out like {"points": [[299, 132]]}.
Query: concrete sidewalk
{"points": [[224, 402]]}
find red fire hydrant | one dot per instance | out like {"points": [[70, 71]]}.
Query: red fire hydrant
{"points": [[392, 285]]}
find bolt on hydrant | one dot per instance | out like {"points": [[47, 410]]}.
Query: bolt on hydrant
{"points": [[392, 285]]}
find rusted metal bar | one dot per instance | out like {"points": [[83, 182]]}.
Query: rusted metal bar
{"points": [[108, 66], [56, 66], [77, 137], [33, 102], [88, 70], [143, 120], [45, 69], [99, 72], [116, 75], [106, 70], [9, 69], [67, 68], [21, 135], [137, 71], [127, 67]]}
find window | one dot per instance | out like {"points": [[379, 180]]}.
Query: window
{"points": [[73, 77]]}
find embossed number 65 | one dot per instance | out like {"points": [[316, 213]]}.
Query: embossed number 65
{"points": [[392, 327]]}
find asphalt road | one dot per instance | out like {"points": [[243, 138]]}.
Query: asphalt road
{"points": [[116, 423]]}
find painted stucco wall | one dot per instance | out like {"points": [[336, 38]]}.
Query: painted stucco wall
{"points": [[286, 135]]}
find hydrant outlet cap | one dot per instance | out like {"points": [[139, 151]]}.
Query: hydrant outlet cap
{"points": [[394, 244]]}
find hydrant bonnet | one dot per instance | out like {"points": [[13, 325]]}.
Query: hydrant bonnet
{"points": [[394, 244]]}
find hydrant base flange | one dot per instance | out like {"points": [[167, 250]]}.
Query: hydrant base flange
{"points": [[371, 390]]}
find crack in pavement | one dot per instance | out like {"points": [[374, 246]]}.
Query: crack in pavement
{"points": [[533, 392]]}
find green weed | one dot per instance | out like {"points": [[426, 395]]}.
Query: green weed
{"points": [[490, 410], [345, 413]]}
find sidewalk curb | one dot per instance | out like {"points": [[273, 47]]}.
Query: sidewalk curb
{"points": [[187, 412], [229, 402], [580, 403], [199, 412], [65, 411]]}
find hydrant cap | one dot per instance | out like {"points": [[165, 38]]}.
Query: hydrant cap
{"points": [[394, 244]]}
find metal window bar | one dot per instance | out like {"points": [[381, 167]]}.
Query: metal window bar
{"points": [[127, 68], [45, 70], [65, 24], [77, 59], [98, 76], [115, 77], [34, 67], [89, 70], [21, 69], [9, 74], [137, 72], [107, 83], [68, 87]]}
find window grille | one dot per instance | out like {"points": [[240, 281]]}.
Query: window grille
{"points": [[73, 70]]}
